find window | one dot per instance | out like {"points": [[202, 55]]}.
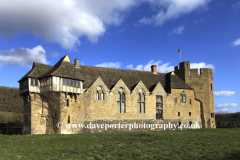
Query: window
{"points": [[70, 82], [159, 107], [141, 102], [212, 115], [102, 96], [178, 114], [211, 87], [67, 102], [190, 113], [190, 123], [96, 95], [75, 97], [175, 100], [190, 102], [68, 119], [99, 94], [121, 101], [34, 82], [182, 97]]}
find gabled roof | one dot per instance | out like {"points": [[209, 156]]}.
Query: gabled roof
{"points": [[63, 68], [37, 71], [110, 76], [131, 78]]}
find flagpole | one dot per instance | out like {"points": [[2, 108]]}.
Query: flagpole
{"points": [[180, 54]]}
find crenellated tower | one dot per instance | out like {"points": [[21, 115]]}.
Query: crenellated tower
{"points": [[202, 83]]}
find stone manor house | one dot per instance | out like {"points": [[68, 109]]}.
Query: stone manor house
{"points": [[111, 96]]}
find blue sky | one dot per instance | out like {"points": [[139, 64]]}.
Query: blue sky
{"points": [[127, 34]]}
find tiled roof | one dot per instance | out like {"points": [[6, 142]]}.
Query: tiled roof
{"points": [[37, 71], [109, 76]]}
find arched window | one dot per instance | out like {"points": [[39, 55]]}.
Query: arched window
{"points": [[182, 97], [99, 94], [96, 95], [102, 96], [159, 107], [141, 102], [121, 101]]}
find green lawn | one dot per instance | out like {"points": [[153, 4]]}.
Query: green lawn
{"points": [[10, 117], [185, 144]]}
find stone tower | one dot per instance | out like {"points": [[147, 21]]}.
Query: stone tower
{"points": [[203, 87]]}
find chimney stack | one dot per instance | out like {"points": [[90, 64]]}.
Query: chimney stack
{"points": [[154, 69], [76, 63]]}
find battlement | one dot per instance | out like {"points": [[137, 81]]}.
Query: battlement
{"points": [[203, 72], [184, 71]]}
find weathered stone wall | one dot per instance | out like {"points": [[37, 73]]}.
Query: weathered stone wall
{"points": [[203, 87]]}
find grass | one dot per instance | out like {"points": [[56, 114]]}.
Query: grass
{"points": [[185, 144], [10, 117]]}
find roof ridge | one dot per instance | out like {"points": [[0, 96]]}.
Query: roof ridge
{"points": [[121, 69]]}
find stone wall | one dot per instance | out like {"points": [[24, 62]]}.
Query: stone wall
{"points": [[202, 83]]}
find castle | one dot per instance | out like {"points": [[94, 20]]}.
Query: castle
{"points": [[99, 95]]}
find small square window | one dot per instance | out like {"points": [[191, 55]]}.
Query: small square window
{"points": [[212, 115]]}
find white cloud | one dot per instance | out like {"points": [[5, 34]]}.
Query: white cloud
{"points": [[226, 105], [226, 108], [110, 65], [172, 9], [164, 68], [236, 42], [224, 93], [61, 21], [177, 30], [201, 65], [53, 54], [23, 56]]}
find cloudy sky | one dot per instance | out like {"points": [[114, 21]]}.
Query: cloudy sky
{"points": [[126, 34]]}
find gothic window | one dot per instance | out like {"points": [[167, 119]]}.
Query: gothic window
{"points": [[182, 97], [99, 94], [121, 101], [96, 95], [159, 107], [141, 101]]}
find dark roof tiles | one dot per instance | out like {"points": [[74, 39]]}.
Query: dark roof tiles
{"points": [[109, 76]]}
